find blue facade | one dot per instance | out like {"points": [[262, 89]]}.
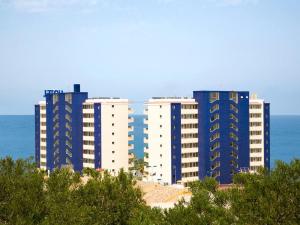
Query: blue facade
{"points": [[223, 133], [176, 141], [64, 128], [267, 135], [97, 134], [37, 135]]}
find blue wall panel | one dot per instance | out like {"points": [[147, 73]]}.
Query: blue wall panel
{"points": [[97, 134], [176, 141], [267, 135]]}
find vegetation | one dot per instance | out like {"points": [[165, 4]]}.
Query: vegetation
{"points": [[28, 196]]}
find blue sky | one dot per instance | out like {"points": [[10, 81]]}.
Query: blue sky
{"points": [[141, 48]]}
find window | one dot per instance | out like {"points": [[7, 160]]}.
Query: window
{"points": [[214, 117], [189, 155], [88, 152], [160, 145], [234, 118], [88, 142], [189, 126], [112, 124], [214, 127], [214, 108], [189, 116], [215, 146], [255, 124], [233, 136], [189, 135], [112, 161], [214, 96], [113, 142], [215, 136], [113, 115], [88, 161], [88, 124], [190, 174], [88, 106], [113, 133], [255, 106], [88, 133], [233, 96], [113, 106], [255, 150], [234, 108], [189, 106], [189, 145], [255, 141], [233, 126], [255, 132], [190, 164], [113, 152], [160, 135], [88, 115], [255, 115], [160, 116], [255, 159]]}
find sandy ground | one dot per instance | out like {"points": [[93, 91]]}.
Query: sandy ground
{"points": [[157, 195]]}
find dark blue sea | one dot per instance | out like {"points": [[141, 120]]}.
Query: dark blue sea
{"points": [[17, 137]]}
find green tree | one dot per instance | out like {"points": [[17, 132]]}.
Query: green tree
{"points": [[21, 192], [208, 206], [269, 197]]}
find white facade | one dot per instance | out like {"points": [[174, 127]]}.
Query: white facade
{"points": [[158, 140], [43, 139], [115, 137], [256, 119]]}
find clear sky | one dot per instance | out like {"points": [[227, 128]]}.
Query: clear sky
{"points": [[141, 48]]}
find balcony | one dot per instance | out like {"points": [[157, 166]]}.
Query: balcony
{"points": [[130, 137], [145, 140], [146, 121], [130, 111], [130, 146], [215, 165], [130, 119], [145, 111], [215, 146], [146, 150], [130, 128], [145, 130]]}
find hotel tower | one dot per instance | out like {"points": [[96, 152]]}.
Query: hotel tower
{"points": [[74, 131], [214, 134]]}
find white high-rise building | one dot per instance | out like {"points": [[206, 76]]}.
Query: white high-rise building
{"points": [[114, 133], [259, 118], [171, 139]]}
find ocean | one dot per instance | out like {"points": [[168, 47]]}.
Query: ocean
{"points": [[17, 137]]}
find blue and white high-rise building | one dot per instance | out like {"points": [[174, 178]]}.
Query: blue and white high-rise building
{"points": [[71, 130], [209, 135], [223, 133]]}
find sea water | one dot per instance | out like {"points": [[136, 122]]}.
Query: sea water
{"points": [[17, 137]]}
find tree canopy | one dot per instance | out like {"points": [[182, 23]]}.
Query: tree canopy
{"points": [[28, 196]]}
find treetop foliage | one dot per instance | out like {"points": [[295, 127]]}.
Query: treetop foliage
{"points": [[28, 196]]}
